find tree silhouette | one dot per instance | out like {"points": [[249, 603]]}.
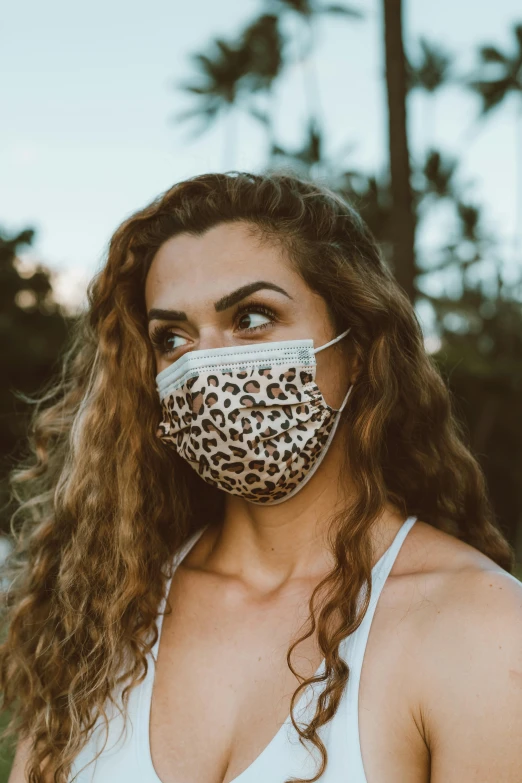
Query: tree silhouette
{"points": [[439, 173], [310, 8], [232, 71], [480, 325], [32, 333], [431, 72], [309, 11], [499, 75], [402, 223]]}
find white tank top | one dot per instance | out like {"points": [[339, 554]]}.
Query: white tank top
{"points": [[127, 756]]}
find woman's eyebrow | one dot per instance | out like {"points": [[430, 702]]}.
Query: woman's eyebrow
{"points": [[222, 304], [241, 293], [166, 315]]}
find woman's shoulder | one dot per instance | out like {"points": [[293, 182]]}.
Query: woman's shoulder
{"points": [[457, 611], [463, 615], [454, 584], [464, 620]]}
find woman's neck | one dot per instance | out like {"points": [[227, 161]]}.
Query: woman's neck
{"points": [[269, 547]]}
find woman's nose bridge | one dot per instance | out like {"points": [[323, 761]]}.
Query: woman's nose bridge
{"points": [[212, 336]]}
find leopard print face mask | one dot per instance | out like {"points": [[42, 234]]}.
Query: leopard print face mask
{"points": [[250, 419]]}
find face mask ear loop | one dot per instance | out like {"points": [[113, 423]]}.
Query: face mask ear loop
{"points": [[330, 438], [335, 340], [345, 400], [327, 345]]}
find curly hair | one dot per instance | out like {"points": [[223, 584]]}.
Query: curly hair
{"points": [[102, 504]]}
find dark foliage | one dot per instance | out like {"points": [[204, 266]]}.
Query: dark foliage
{"points": [[33, 329]]}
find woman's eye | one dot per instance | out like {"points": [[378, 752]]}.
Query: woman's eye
{"points": [[253, 320], [172, 343], [165, 341]]}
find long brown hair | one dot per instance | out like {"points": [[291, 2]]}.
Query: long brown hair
{"points": [[102, 504]]}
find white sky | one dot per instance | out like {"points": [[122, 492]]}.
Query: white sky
{"points": [[86, 135]]}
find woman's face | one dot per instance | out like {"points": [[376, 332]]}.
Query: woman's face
{"points": [[223, 289]]}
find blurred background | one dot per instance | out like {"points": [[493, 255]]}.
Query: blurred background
{"points": [[411, 110]]}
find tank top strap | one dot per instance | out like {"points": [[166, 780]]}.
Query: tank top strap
{"points": [[383, 567], [380, 573], [175, 561], [354, 647]]}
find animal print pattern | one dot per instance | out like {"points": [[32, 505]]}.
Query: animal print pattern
{"points": [[254, 433]]}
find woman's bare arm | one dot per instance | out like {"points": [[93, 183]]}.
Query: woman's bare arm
{"points": [[20, 760], [18, 769], [473, 677]]}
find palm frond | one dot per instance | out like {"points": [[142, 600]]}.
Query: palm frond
{"points": [[207, 117], [195, 89], [469, 216], [309, 8], [439, 172], [433, 68], [490, 54], [341, 10], [208, 112], [262, 42], [262, 116], [203, 61], [492, 92], [500, 73], [302, 7], [518, 35]]}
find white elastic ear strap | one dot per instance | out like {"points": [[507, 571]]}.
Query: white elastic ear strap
{"points": [[318, 462], [327, 345], [345, 399], [335, 340]]}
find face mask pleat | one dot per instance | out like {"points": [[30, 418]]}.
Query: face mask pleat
{"points": [[235, 359]]}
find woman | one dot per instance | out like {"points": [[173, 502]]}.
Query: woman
{"points": [[249, 440]]}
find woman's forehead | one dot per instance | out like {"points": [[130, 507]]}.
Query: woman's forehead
{"points": [[225, 246], [212, 266]]}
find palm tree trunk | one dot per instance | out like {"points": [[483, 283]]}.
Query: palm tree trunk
{"points": [[402, 216], [518, 200]]}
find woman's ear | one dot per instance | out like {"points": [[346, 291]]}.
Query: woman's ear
{"points": [[355, 366]]}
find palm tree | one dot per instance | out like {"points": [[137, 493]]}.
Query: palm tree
{"points": [[429, 73], [304, 160], [232, 71], [500, 74], [33, 334], [264, 42], [438, 176], [402, 223], [309, 11]]}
